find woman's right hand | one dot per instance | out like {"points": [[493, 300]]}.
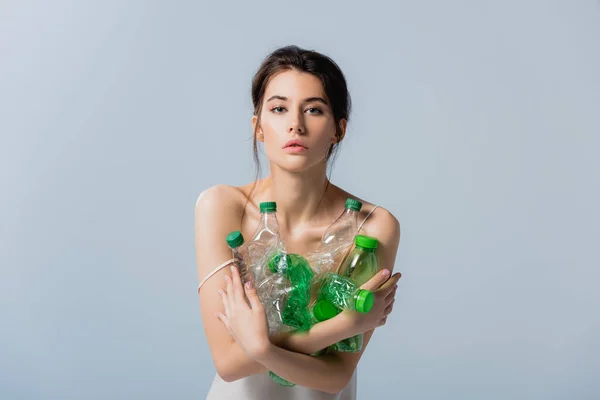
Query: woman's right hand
{"points": [[384, 289]]}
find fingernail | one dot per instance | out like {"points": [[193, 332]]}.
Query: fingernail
{"points": [[248, 285], [232, 268], [219, 291], [385, 272], [396, 287]]}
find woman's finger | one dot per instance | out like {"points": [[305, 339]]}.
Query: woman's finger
{"points": [[238, 289], [391, 284], [389, 308], [382, 322], [253, 297], [377, 281], [230, 297], [390, 296], [224, 300], [224, 320]]}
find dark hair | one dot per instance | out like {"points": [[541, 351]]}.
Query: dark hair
{"points": [[312, 62]]}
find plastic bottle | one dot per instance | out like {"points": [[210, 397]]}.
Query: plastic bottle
{"points": [[266, 244], [324, 310], [343, 293], [295, 312], [235, 240], [336, 240], [360, 266]]}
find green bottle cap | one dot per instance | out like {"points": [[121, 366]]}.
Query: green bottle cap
{"points": [[366, 242], [364, 301], [268, 206], [324, 310], [353, 204], [275, 260], [235, 239]]}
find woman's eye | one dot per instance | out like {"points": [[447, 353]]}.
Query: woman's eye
{"points": [[277, 110], [314, 110]]}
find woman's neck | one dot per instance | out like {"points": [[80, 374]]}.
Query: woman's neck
{"points": [[300, 197]]}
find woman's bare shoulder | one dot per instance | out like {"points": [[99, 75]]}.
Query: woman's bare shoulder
{"points": [[221, 195], [380, 222]]}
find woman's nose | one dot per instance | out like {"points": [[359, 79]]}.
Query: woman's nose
{"points": [[296, 128], [296, 125]]}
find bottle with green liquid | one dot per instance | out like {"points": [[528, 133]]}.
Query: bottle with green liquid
{"points": [[360, 266]]}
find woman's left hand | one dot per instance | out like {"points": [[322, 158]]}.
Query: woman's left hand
{"points": [[247, 323]]}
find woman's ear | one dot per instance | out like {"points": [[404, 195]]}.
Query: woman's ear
{"points": [[340, 132], [259, 134]]}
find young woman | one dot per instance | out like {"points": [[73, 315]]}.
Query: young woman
{"points": [[301, 110]]}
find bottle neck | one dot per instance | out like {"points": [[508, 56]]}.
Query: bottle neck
{"points": [[350, 213], [365, 249], [269, 219]]}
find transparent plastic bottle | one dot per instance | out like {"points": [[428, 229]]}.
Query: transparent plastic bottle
{"points": [[324, 310], [266, 242], [344, 294], [360, 266], [266, 245], [296, 312], [235, 240], [336, 240]]}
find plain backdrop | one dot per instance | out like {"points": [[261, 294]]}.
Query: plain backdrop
{"points": [[476, 123]]}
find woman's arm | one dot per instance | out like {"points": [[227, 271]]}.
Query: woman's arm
{"points": [[328, 372], [332, 371], [237, 364], [217, 213], [234, 364], [319, 337], [247, 323]]}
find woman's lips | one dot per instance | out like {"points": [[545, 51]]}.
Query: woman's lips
{"points": [[294, 149]]}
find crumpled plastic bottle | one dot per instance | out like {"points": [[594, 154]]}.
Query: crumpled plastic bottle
{"points": [[271, 287], [344, 294], [295, 313], [299, 274]]}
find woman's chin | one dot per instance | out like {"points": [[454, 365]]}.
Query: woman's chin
{"points": [[295, 166]]}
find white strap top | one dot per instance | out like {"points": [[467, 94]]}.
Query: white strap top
{"points": [[228, 262]]}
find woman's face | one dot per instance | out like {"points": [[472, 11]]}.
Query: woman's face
{"points": [[295, 108]]}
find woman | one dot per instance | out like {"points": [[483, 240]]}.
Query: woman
{"points": [[301, 110]]}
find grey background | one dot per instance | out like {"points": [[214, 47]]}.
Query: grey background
{"points": [[475, 123]]}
